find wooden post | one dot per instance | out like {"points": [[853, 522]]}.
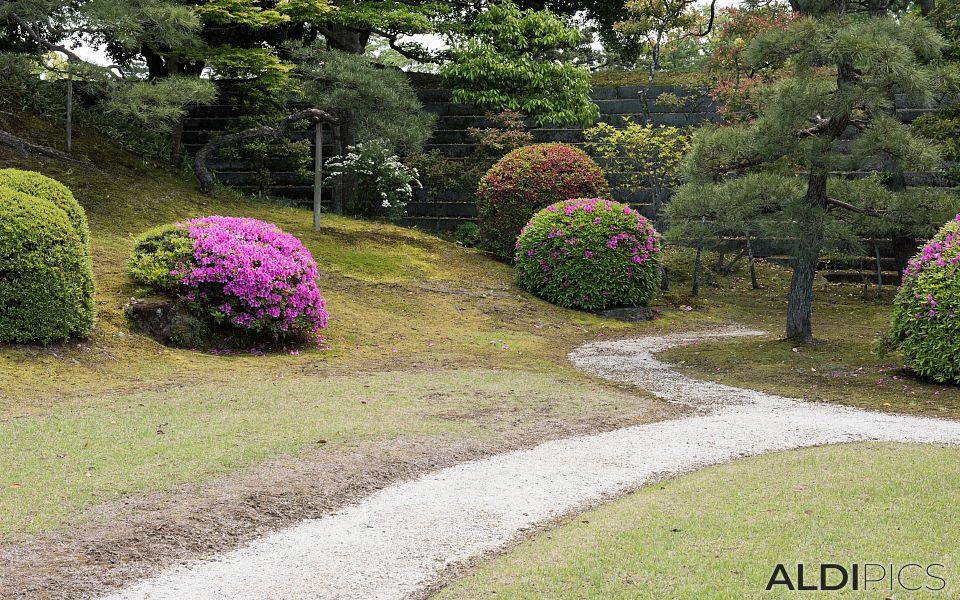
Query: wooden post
{"points": [[318, 175], [69, 106]]}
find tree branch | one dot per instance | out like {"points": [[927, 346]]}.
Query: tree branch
{"points": [[24, 147], [863, 211], [200, 169]]}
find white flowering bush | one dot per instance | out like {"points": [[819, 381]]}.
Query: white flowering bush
{"points": [[386, 184]]}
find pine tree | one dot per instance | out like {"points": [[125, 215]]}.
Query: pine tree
{"points": [[840, 64]]}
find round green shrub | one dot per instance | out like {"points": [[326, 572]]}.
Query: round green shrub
{"points": [[527, 180], [926, 315], [589, 253], [46, 281], [40, 186], [156, 253]]}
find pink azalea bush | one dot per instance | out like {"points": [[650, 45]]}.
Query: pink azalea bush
{"points": [[241, 272], [589, 253], [926, 326]]}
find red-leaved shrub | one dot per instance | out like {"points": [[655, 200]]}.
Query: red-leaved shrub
{"points": [[527, 180]]}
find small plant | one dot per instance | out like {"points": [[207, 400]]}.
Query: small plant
{"points": [[467, 235], [926, 317], [651, 156], [527, 180], [386, 183], [46, 280], [237, 272], [589, 253]]}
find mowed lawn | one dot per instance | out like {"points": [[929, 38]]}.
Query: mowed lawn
{"points": [[718, 533]]}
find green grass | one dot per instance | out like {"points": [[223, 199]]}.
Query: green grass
{"points": [[51, 467], [840, 365], [718, 533]]}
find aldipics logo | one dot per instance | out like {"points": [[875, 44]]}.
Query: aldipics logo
{"points": [[910, 577]]}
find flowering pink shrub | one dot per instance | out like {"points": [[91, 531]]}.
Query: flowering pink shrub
{"points": [[589, 253], [926, 326], [525, 181], [242, 272]]}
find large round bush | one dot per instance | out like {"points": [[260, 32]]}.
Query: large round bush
{"points": [[46, 281], [240, 272], [41, 186], [589, 253], [926, 317], [525, 181]]}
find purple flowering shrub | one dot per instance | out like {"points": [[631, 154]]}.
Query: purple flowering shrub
{"points": [[240, 272], [926, 317], [589, 253]]}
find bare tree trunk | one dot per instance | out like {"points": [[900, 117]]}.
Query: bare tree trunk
{"points": [[338, 188], [349, 180], [69, 106], [752, 263], [318, 175], [876, 252], [175, 138], [800, 298], [695, 291]]}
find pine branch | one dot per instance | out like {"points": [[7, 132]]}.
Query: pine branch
{"points": [[202, 172], [863, 211]]}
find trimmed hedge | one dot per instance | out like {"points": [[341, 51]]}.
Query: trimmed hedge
{"points": [[527, 180], [589, 253], [41, 186], [926, 317], [46, 280]]}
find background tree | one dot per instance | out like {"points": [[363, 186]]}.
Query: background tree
{"points": [[840, 68], [507, 58]]}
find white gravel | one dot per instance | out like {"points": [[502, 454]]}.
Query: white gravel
{"points": [[398, 540]]}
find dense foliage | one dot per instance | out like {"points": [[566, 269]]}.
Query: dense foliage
{"points": [[926, 326], [589, 253], [380, 102], [827, 76], [648, 156], [239, 272], [47, 291], [507, 59], [41, 186], [386, 184], [527, 180]]}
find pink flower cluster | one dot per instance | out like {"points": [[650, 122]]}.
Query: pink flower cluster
{"points": [[642, 244], [252, 275], [938, 252]]}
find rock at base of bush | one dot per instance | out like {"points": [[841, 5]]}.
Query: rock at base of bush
{"points": [[630, 314], [170, 323]]}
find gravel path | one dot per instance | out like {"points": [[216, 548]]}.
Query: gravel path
{"points": [[398, 541]]}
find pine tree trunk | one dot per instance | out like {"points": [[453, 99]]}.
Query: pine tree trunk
{"points": [[800, 299], [695, 291], [753, 264]]}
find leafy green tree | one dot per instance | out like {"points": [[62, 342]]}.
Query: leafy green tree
{"points": [[653, 22], [507, 59], [651, 156], [840, 67]]}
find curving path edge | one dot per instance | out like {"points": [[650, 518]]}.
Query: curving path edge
{"points": [[398, 541]]}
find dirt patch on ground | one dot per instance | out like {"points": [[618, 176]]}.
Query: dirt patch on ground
{"points": [[117, 543]]}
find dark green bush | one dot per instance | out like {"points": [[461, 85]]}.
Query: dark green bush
{"points": [[46, 281], [589, 253], [467, 235], [926, 316], [527, 180]]}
